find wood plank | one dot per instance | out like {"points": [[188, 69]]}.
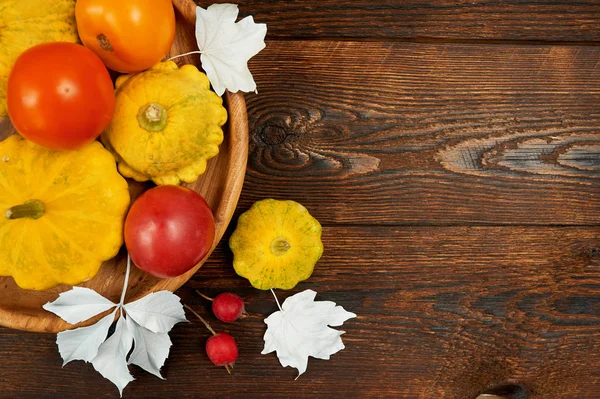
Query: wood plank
{"points": [[427, 133], [443, 313], [427, 19]]}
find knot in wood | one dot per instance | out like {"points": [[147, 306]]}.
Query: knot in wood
{"points": [[505, 390], [273, 135]]}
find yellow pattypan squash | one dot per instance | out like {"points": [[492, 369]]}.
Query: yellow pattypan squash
{"points": [[26, 23], [276, 244], [61, 213], [167, 124]]}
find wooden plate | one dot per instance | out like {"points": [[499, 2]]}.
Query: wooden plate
{"points": [[220, 185]]}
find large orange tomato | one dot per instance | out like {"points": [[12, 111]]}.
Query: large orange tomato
{"points": [[128, 35], [60, 95]]}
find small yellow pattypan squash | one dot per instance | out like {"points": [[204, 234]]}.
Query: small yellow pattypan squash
{"points": [[276, 244], [61, 213], [167, 124], [26, 23]]}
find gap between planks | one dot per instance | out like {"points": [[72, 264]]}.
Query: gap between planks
{"points": [[434, 40]]}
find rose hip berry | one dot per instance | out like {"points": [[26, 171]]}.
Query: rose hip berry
{"points": [[222, 350], [228, 307], [221, 347]]}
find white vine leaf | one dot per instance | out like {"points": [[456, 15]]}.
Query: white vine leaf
{"points": [[150, 349], [158, 312], [226, 46], [79, 304], [82, 343], [145, 321], [301, 329], [111, 359]]}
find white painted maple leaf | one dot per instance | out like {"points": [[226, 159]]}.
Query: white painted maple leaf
{"points": [[144, 323], [301, 329], [226, 46]]}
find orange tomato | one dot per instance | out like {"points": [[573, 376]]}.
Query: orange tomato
{"points": [[127, 35], [60, 95]]}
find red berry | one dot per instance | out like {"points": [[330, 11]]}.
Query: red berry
{"points": [[228, 307], [222, 349]]}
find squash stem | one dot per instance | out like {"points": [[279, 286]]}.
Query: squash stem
{"points": [[152, 117], [33, 209], [279, 246]]}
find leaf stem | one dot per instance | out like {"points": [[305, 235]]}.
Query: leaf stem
{"points": [[276, 300], [204, 296], [125, 282], [184, 54], [201, 319]]}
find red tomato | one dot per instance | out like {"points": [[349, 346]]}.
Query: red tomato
{"points": [[169, 230], [60, 95], [128, 35]]}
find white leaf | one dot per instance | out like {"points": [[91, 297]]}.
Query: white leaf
{"points": [[301, 330], [150, 349], [226, 46], [158, 312], [111, 359], [82, 343], [78, 304]]}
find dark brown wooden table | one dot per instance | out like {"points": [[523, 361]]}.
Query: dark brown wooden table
{"points": [[451, 150]]}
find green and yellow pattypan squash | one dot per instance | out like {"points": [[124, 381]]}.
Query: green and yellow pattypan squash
{"points": [[167, 124], [276, 244], [61, 213], [26, 23]]}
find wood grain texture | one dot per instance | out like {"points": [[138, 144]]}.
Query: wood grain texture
{"points": [[401, 133], [220, 185], [458, 187], [427, 19], [443, 312]]}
